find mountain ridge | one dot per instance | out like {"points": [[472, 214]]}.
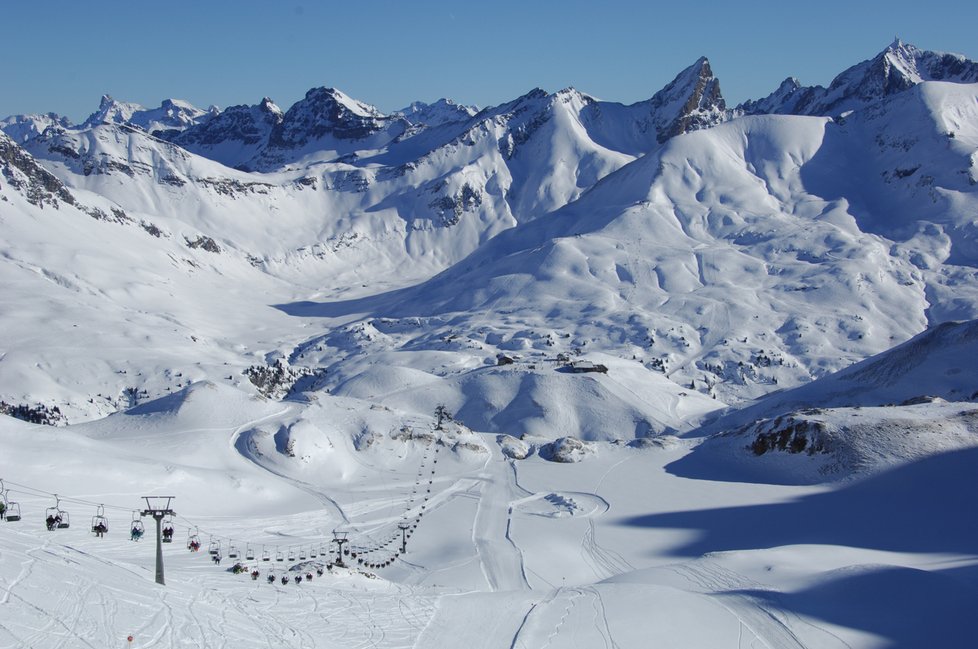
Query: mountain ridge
{"points": [[745, 255]]}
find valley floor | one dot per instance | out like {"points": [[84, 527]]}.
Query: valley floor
{"points": [[612, 552]]}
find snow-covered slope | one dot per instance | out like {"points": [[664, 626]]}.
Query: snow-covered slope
{"points": [[729, 259], [530, 553], [913, 401]]}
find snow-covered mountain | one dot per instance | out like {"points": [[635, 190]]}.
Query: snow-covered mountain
{"points": [[606, 371], [172, 116], [899, 67], [21, 128], [234, 136], [729, 256]]}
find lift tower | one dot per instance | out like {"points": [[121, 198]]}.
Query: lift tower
{"points": [[159, 508]]}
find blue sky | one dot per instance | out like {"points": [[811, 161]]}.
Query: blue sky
{"points": [[63, 55]]}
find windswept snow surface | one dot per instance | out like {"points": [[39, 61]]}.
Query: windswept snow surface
{"points": [[612, 551]]}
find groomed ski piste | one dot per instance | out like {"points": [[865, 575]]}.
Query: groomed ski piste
{"points": [[619, 549]]}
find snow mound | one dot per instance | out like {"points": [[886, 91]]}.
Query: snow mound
{"points": [[566, 450], [513, 448]]}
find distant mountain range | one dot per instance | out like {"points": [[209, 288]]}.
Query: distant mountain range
{"points": [[705, 254]]}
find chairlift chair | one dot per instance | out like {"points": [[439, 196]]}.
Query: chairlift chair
{"points": [[279, 556], [291, 553], [249, 552], [232, 551], [13, 511], [193, 540], [168, 525], [100, 524], [313, 553], [214, 548], [302, 554], [265, 555], [136, 527], [55, 517]]}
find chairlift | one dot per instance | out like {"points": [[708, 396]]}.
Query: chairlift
{"points": [[232, 551], [100, 524], [313, 553], [279, 556], [193, 540], [56, 518], [249, 552], [168, 530], [265, 555], [11, 510], [291, 553], [302, 554], [136, 528], [214, 548]]}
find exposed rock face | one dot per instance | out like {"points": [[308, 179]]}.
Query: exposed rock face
{"points": [[790, 434], [22, 172], [327, 111], [513, 448], [690, 102], [566, 450], [899, 67], [247, 125]]}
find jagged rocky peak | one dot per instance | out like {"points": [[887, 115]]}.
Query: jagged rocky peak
{"points": [[437, 113], [112, 111], [779, 101], [327, 111], [266, 105], [573, 95], [173, 115], [689, 102], [245, 124], [906, 65], [899, 67]]}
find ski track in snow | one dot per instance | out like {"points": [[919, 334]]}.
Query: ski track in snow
{"points": [[501, 558], [757, 617]]}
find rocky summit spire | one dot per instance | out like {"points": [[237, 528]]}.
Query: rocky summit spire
{"points": [[689, 102]]}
